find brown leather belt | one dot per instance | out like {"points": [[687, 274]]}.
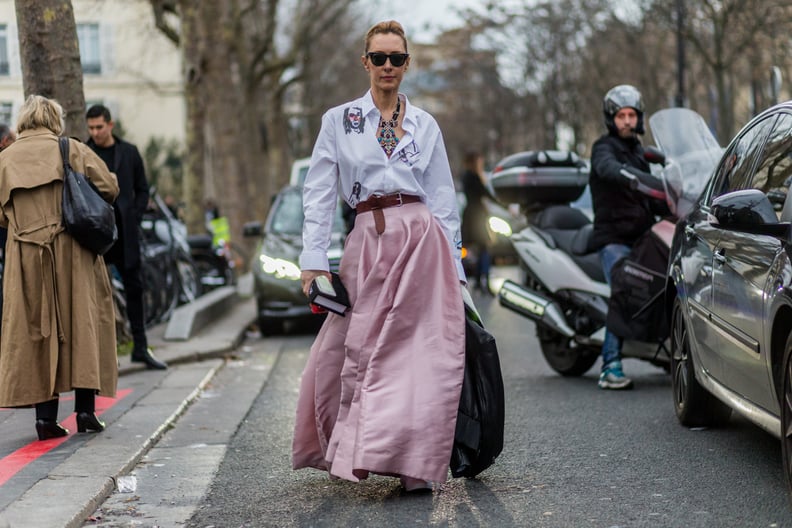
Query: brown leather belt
{"points": [[378, 202]]}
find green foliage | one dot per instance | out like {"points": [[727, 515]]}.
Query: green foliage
{"points": [[164, 166], [118, 129]]}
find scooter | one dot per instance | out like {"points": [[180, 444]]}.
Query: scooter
{"points": [[562, 286], [213, 260]]}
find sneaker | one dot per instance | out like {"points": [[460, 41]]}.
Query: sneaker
{"points": [[613, 378]]}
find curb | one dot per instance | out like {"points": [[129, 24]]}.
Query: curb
{"points": [[217, 323], [234, 313]]}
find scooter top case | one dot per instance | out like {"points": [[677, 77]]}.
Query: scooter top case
{"points": [[537, 179]]}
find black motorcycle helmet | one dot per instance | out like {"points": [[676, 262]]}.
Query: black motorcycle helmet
{"points": [[623, 96]]}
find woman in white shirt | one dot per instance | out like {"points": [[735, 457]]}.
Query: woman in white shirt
{"points": [[380, 391]]}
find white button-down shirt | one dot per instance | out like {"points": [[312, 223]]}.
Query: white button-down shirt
{"points": [[348, 159]]}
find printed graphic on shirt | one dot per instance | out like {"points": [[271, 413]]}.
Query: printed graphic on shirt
{"points": [[410, 153], [458, 241], [353, 120], [354, 196]]}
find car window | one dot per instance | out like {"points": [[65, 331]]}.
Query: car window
{"points": [[774, 172], [288, 218], [736, 167]]}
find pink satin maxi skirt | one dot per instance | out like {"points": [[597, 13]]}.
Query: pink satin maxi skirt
{"points": [[380, 390]]}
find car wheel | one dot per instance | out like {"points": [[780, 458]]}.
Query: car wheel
{"points": [[565, 356], [694, 406], [786, 415], [270, 327]]}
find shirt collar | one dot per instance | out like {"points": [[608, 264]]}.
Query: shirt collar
{"points": [[368, 107]]}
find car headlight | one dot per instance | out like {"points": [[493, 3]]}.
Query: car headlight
{"points": [[500, 226], [282, 269]]}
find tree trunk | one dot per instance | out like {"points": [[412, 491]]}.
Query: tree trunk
{"points": [[193, 50], [50, 57]]}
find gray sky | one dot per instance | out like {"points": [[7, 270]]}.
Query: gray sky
{"points": [[422, 19]]}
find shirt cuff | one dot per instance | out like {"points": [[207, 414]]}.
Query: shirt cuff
{"points": [[314, 260]]}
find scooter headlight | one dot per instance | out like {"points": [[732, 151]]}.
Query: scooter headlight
{"points": [[500, 226]]}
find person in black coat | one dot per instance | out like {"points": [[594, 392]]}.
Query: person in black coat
{"points": [[124, 160], [626, 199], [475, 231]]}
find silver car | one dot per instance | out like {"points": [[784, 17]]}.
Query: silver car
{"points": [[729, 291]]}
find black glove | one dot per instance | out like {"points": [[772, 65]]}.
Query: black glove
{"points": [[643, 182], [635, 177]]}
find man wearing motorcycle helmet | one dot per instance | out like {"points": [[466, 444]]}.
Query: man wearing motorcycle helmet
{"points": [[626, 199]]}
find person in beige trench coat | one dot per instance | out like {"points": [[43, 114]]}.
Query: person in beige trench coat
{"points": [[58, 319]]}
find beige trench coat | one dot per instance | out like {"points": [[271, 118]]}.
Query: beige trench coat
{"points": [[58, 330]]}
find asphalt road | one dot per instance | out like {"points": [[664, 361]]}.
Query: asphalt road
{"points": [[574, 455]]}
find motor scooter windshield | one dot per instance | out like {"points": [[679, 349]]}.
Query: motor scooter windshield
{"points": [[691, 151]]}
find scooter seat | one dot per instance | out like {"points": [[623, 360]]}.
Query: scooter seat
{"points": [[568, 229], [561, 217], [199, 241]]}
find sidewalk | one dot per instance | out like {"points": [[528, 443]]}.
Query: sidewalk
{"points": [[81, 482]]}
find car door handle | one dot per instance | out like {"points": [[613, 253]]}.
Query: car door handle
{"points": [[720, 256]]}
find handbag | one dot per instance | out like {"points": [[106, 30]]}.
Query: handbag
{"points": [[478, 438], [87, 217]]}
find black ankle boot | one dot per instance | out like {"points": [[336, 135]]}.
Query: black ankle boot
{"points": [[47, 420], [145, 355], [89, 422], [85, 407], [47, 429]]}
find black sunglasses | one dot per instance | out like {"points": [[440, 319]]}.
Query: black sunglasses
{"points": [[378, 58]]}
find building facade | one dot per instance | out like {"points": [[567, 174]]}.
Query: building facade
{"points": [[128, 65]]}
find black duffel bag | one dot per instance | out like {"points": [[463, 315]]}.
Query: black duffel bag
{"points": [[478, 439]]}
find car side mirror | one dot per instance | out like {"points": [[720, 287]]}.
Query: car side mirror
{"points": [[748, 211], [252, 229]]}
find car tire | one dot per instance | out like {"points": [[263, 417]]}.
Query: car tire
{"points": [[786, 415], [694, 406], [269, 326]]}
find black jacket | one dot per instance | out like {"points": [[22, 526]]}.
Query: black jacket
{"points": [[621, 214], [474, 217], [131, 203]]}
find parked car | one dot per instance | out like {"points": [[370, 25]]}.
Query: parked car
{"points": [[729, 292], [298, 171], [275, 267]]}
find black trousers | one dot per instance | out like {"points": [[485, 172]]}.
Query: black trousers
{"points": [[133, 292], [84, 401]]}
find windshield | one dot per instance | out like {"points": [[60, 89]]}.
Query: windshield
{"points": [[691, 151], [287, 218]]}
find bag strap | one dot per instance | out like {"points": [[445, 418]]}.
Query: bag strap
{"points": [[63, 142]]}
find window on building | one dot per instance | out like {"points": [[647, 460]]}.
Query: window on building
{"points": [[6, 113], [90, 51], [3, 49]]}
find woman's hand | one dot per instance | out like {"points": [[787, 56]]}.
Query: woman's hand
{"points": [[307, 277]]}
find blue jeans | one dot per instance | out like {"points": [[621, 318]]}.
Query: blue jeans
{"points": [[484, 263], [612, 345]]}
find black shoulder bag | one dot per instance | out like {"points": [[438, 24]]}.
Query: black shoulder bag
{"points": [[86, 216]]}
